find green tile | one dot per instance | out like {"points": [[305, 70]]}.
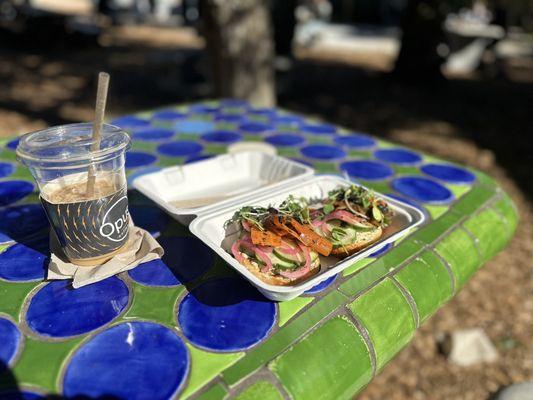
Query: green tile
{"points": [[170, 161], [252, 138], [323, 167], [214, 149], [331, 363], [319, 140], [459, 190], [473, 200], [379, 268], [138, 145], [406, 170], [436, 211], [356, 266], [459, 251], [377, 186], [187, 136], [8, 155], [383, 144], [388, 318], [263, 390], [491, 231], [205, 366], [287, 309], [215, 392], [507, 208], [282, 339], [485, 180], [358, 155], [431, 232], [288, 152], [154, 303], [40, 363], [428, 282], [22, 173], [12, 296]]}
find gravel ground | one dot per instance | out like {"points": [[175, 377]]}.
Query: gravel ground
{"points": [[482, 124]]}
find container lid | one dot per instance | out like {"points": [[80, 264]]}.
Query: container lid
{"points": [[70, 145], [192, 189]]}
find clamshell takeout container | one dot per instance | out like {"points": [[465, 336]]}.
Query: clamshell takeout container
{"points": [[205, 194]]}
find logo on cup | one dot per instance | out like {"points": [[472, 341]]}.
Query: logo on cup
{"points": [[115, 222]]}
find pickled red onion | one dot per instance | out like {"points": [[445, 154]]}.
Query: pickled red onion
{"points": [[300, 271]]}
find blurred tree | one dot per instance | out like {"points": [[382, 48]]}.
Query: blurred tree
{"points": [[239, 42], [422, 32], [284, 20]]}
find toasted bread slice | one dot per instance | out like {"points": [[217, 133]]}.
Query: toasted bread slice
{"points": [[279, 280], [363, 239]]}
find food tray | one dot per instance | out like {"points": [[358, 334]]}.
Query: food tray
{"points": [[208, 226]]}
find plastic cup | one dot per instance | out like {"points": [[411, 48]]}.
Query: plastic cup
{"points": [[90, 229]]}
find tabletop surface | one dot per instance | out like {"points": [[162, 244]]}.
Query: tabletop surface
{"points": [[187, 325]]}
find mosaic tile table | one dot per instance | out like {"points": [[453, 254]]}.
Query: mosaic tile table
{"points": [[187, 326]]}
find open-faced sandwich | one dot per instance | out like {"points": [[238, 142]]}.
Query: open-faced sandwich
{"points": [[282, 246], [351, 218], [279, 245]]}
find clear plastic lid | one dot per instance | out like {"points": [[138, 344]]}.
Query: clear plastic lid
{"points": [[70, 146]]}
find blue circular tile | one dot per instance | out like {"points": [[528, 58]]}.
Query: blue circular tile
{"points": [[180, 148], [6, 169], [226, 315], [229, 118], [323, 152], [285, 139], [286, 120], [200, 157], [13, 191], [12, 144], [130, 122], [143, 171], [154, 273], [422, 189], [149, 218], [204, 108], [57, 310], [135, 159], [318, 129], [168, 115], [194, 127], [263, 112], [9, 341], [255, 128], [25, 261], [19, 222], [355, 141], [187, 257], [322, 285], [21, 395], [233, 103], [381, 251], [132, 360], [221, 137], [398, 156], [367, 170], [152, 134], [449, 173]]}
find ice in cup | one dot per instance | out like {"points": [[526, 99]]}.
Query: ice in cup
{"points": [[90, 225]]}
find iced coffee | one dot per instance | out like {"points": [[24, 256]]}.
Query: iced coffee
{"points": [[90, 221]]}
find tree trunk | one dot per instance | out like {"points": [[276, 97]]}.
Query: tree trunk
{"points": [[239, 42], [422, 32]]}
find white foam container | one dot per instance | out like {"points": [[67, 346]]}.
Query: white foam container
{"points": [[256, 179]]}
